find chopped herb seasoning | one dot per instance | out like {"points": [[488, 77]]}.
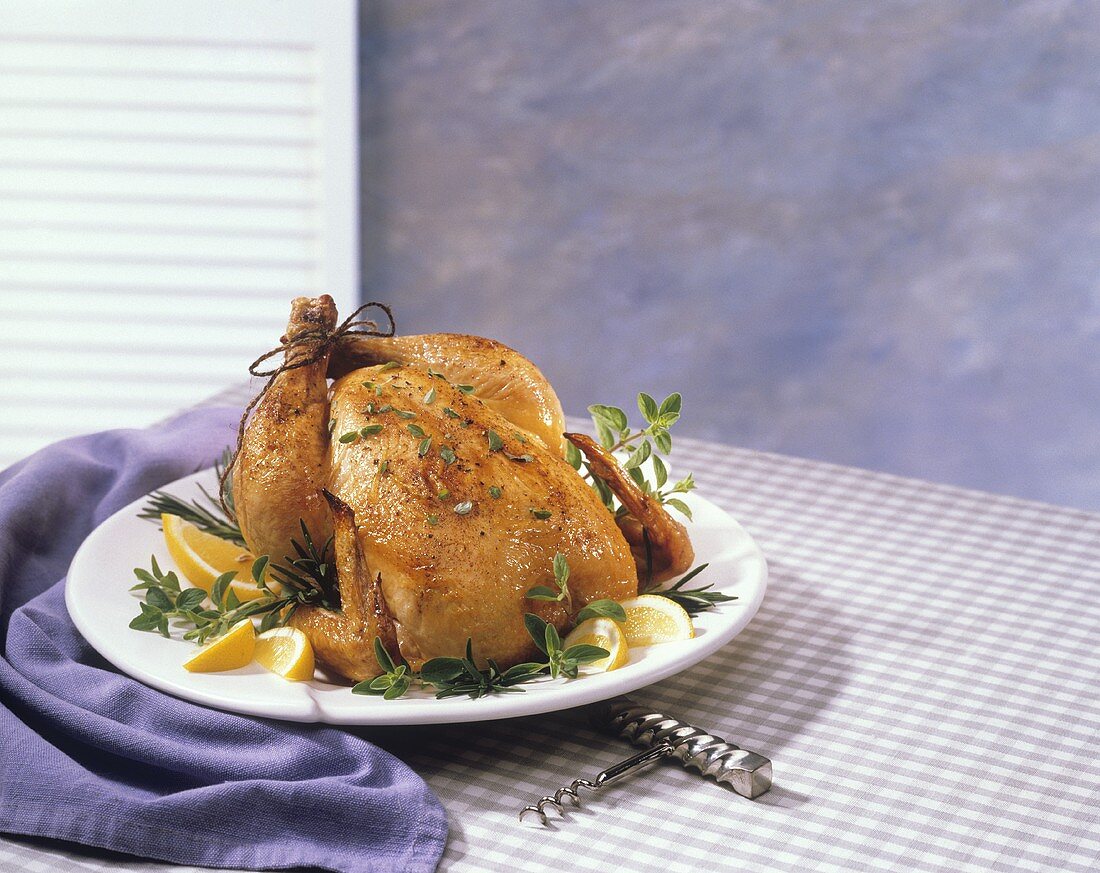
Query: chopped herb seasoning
{"points": [[541, 513], [495, 492], [369, 429], [433, 519], [429, 398], [444, 494], [495, 442], [389, 365], [450, 413], [465, 389], [384, 468], [464, 507], [349, 437], [415, 429], [447, 454], [402, 413], [425, 444]]}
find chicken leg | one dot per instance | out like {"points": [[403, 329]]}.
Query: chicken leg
{"points": [[281, 468]]}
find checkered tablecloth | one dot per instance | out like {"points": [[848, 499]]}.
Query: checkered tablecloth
{"points": [[924, 673]]}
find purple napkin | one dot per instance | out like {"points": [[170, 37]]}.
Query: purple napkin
{"points": [[91, 756]]}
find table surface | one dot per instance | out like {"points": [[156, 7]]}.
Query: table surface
{"points": [[924, 674]]}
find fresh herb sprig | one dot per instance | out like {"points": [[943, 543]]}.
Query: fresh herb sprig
{"points": [[645, 444], [393, 683], [166, 600], [453, 677], [561, 579], [205, 513], [559, 661], [694, 600], [309, 578]]}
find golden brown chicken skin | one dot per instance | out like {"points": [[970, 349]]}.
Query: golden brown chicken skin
{"points": [[455, 560], [502, 378]]}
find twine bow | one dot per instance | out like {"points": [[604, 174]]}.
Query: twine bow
{"points": [[320, 342]]}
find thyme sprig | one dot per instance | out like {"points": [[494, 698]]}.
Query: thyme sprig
{"points": [[205, 513]]}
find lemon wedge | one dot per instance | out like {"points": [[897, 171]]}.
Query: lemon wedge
{"points": [[227, 652], [653, 619], [203, 557], [606, 634], [287, 652]]}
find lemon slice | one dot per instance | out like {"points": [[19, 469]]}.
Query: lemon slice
{"points": [[653, 619], [286, 651], [203, 557], [606, 634], [227, 652]]}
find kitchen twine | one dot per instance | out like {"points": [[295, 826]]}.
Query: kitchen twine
{"points": [[322, 342]]}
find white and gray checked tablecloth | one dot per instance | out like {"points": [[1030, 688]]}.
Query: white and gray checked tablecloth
{"points": [[924, 674]]}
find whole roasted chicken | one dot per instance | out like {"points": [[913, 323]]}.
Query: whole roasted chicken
{"points": [[435, 462]]}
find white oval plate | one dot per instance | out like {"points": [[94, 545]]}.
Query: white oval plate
{"points": [[101, 605]]}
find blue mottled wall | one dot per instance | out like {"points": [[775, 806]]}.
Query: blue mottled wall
{"points": [[863, 232]]}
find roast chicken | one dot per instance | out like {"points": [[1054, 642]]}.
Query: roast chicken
{"points": [[435, 463]]}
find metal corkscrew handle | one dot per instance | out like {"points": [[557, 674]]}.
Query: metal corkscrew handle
{"points": [[748, 773]]}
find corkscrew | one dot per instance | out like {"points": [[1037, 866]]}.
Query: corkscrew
{"points": [[748, 773]]}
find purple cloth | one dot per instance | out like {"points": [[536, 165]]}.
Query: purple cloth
{"points": [[91, 756]]}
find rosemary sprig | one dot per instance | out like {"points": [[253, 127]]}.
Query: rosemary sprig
{"points": [[694, 600], [311, 574], [205, 513], [614, 433]]}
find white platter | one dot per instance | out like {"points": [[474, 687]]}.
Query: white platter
{"points": [[101, 605]]}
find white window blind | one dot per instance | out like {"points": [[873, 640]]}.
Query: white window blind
{"points": [[171, 175]]}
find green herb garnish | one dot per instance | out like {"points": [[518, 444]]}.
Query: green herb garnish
{"points": [[614, 433], [206, 513], [694, 600], [561, 579]]}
